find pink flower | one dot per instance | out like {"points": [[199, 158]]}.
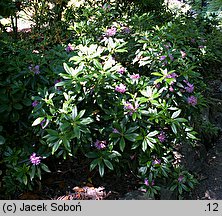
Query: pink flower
{"points": [[111, 31], [69, 48], [135, 76], [172, 75], [100, 144], [126, 30], [35, 103], [171, 57], [34, 69], [161, 136], [146, 182], [115, 131], [171, 89], [192, 100], [35, 160], [162, 58], [183, 54], [190, 87], [121, 88], [129, 107], [180, 178], [156, 161], [121, 70]]}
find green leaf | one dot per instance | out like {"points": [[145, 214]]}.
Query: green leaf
{"points": [[86, 121], [66, 143], [97, 64], [101, 168], [172, 188], [76, 131], [93, 164], [122, 144], [181, 120], [153, 133], [25, 179], [81, 113], [144, 144], [74, 112], [114, 154], [185, 187], [56, 146], [150, 142], [132, 129], [174, 128], [176, 114], [121, 50], [45, 167], [91, 155], [3, 108], [108, 164], [39, 173], [157, 74], [32, 174], [52, 132], [17, 106], [70, 70], [37, 121], [75, 58], [180, 189], [27, 102], [2, 140], [131, 137], [191, 136], [148, 92]]}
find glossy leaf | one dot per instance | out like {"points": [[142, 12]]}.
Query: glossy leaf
{"points": [[108, 164], [37, 121]]}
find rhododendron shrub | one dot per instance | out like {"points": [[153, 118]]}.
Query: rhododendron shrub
{"points": [[120, 106], [123, 93]]}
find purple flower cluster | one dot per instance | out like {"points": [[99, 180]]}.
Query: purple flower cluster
{"points": [[156, 161], [192, 100], [162, 58], [190, 87], [34, 69], [126, 30], [161, 136], [69, 48], [34, 159], [35, 103], [111, 31], [180, 178], [183, 54], [172, 75], [100, 144], [115, 131], [171, 57], [135, 76], [146, 182], [171, 89], [121, 70], [121, 88], [129, 107]]}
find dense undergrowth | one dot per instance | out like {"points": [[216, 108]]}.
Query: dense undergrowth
{"points": [[118, 86]]}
